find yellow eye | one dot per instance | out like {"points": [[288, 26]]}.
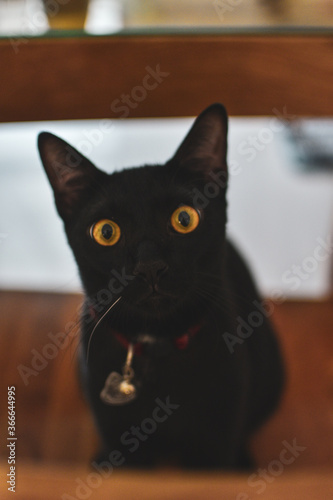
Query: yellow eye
{"points": [[185, 219], [105, 232]]}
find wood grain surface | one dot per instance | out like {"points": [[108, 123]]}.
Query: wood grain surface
{"points": [[50, 482], [88, 77]]}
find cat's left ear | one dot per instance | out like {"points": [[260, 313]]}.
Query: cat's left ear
{"points": [[72, 176], [204, 149]]}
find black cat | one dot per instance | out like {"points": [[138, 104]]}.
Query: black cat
{"points": [[166, 291]]}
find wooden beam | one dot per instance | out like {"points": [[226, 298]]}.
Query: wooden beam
{"points": [[90, 77]]}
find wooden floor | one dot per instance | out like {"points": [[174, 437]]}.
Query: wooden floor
{"points": [[58, 482], [55, 432]]}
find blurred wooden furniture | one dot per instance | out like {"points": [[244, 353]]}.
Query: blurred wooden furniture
{"points": [[54, 424], [251, 73], [54, 482], [56, 436]]}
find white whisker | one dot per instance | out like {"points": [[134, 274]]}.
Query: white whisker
{"points": [[98, 322]]}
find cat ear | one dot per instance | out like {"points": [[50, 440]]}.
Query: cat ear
{"points": [[71, 175], [204, 149]]}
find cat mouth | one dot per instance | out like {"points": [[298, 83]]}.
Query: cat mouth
{"points": [[156, 297]]}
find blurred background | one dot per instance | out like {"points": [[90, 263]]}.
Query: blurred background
{"points": [[280, 197], [109, 16], [280, 209]]}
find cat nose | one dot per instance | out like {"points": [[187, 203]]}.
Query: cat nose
{"points": [[150, 266], [151, 271]]}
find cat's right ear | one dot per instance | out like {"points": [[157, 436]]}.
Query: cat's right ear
{"points": [[204, 149], [72, 176]]}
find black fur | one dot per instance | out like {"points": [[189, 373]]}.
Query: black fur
{"points": [[220, 392]]}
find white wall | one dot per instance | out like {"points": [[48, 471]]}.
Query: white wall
{"points": [[278, 213]]}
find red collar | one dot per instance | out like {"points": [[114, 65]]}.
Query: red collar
{"points": [[180, 343]]}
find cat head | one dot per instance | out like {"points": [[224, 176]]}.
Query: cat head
{"points": [[153, 234]]}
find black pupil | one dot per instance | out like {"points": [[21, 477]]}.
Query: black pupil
{"points": [[184, 218], [107, 231]]}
